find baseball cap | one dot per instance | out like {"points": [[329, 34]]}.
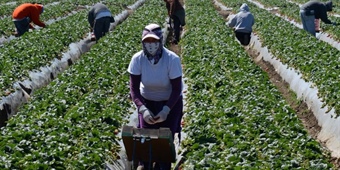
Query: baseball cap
{"points": [[152, 31]]}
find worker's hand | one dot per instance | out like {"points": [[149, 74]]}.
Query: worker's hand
{"points": [[334, 23], [147, 115], [162, 115]]}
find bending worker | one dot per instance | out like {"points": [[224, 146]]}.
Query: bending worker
{"points": [[100, 18], [26, 13], [242, 24], [315, 10], [156, 85]]}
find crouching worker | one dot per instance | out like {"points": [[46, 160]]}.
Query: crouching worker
{"points": [[100, 18], [242, 24], [315, 10], [26, 13], [156, 85]]}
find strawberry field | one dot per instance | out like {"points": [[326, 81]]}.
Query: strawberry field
{"points": [[65, 98]]}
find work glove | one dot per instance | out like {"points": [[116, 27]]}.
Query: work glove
{"points": [[147, 115], [162, 115], [334, 23]]}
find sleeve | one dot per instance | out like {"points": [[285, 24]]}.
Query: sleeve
{"points": [[35, 17], [135, 66], [135, 91], [112, 19], [90, 17], [175, 69], [176, 85], [324, 18], [231, 23], [168, 7], [253, 22], [175, 75]]}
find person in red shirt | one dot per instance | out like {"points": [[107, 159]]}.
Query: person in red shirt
{"points": [[26, 13]]}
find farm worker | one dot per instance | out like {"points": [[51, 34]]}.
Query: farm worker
{"points": [[242, 24], [100, 18], [156, 84], [176, 12], [315, 10], [26, 13]]}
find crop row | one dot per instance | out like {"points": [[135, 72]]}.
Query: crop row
{"points": [[50, 12], [7, 6], [72, 120], [236, 118], [36, 49], [314, 60], [291, 10], [335, 4]]}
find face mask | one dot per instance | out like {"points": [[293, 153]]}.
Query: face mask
{"points": [[152, 47]]}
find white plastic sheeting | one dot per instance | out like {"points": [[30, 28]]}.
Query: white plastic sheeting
{"points": [[330, 126]]}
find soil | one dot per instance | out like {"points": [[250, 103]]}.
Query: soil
{"points": [[306, 116]]}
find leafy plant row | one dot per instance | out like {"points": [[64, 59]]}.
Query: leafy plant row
{"points": [[7, 6], [236, 117], [335, 3], [38, 48], [70, 124], [51, 12], [291, 10], [6, 9], [314, 59]]}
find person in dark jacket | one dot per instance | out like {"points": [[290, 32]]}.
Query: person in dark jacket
{"points": [[177, 13], [100, 18], [242, 24], [24, 15], [315, 10]]}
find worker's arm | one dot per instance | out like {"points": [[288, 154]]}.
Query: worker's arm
{"points": [[232, 22], [35, 17], [90, 17], [174, 96], [138, 99], [324, 17], [134, 90], [176, 85]]}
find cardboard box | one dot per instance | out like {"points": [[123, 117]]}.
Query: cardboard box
{"points": [[148, 144]]}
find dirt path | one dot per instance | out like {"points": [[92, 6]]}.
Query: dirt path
{"points": [[306, 116]]}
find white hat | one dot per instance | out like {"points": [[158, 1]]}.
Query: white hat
{"points": [[152, 31]]}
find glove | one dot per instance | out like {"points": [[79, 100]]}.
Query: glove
{"points": [[162, 115], [147, 115], [334, 23]]}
